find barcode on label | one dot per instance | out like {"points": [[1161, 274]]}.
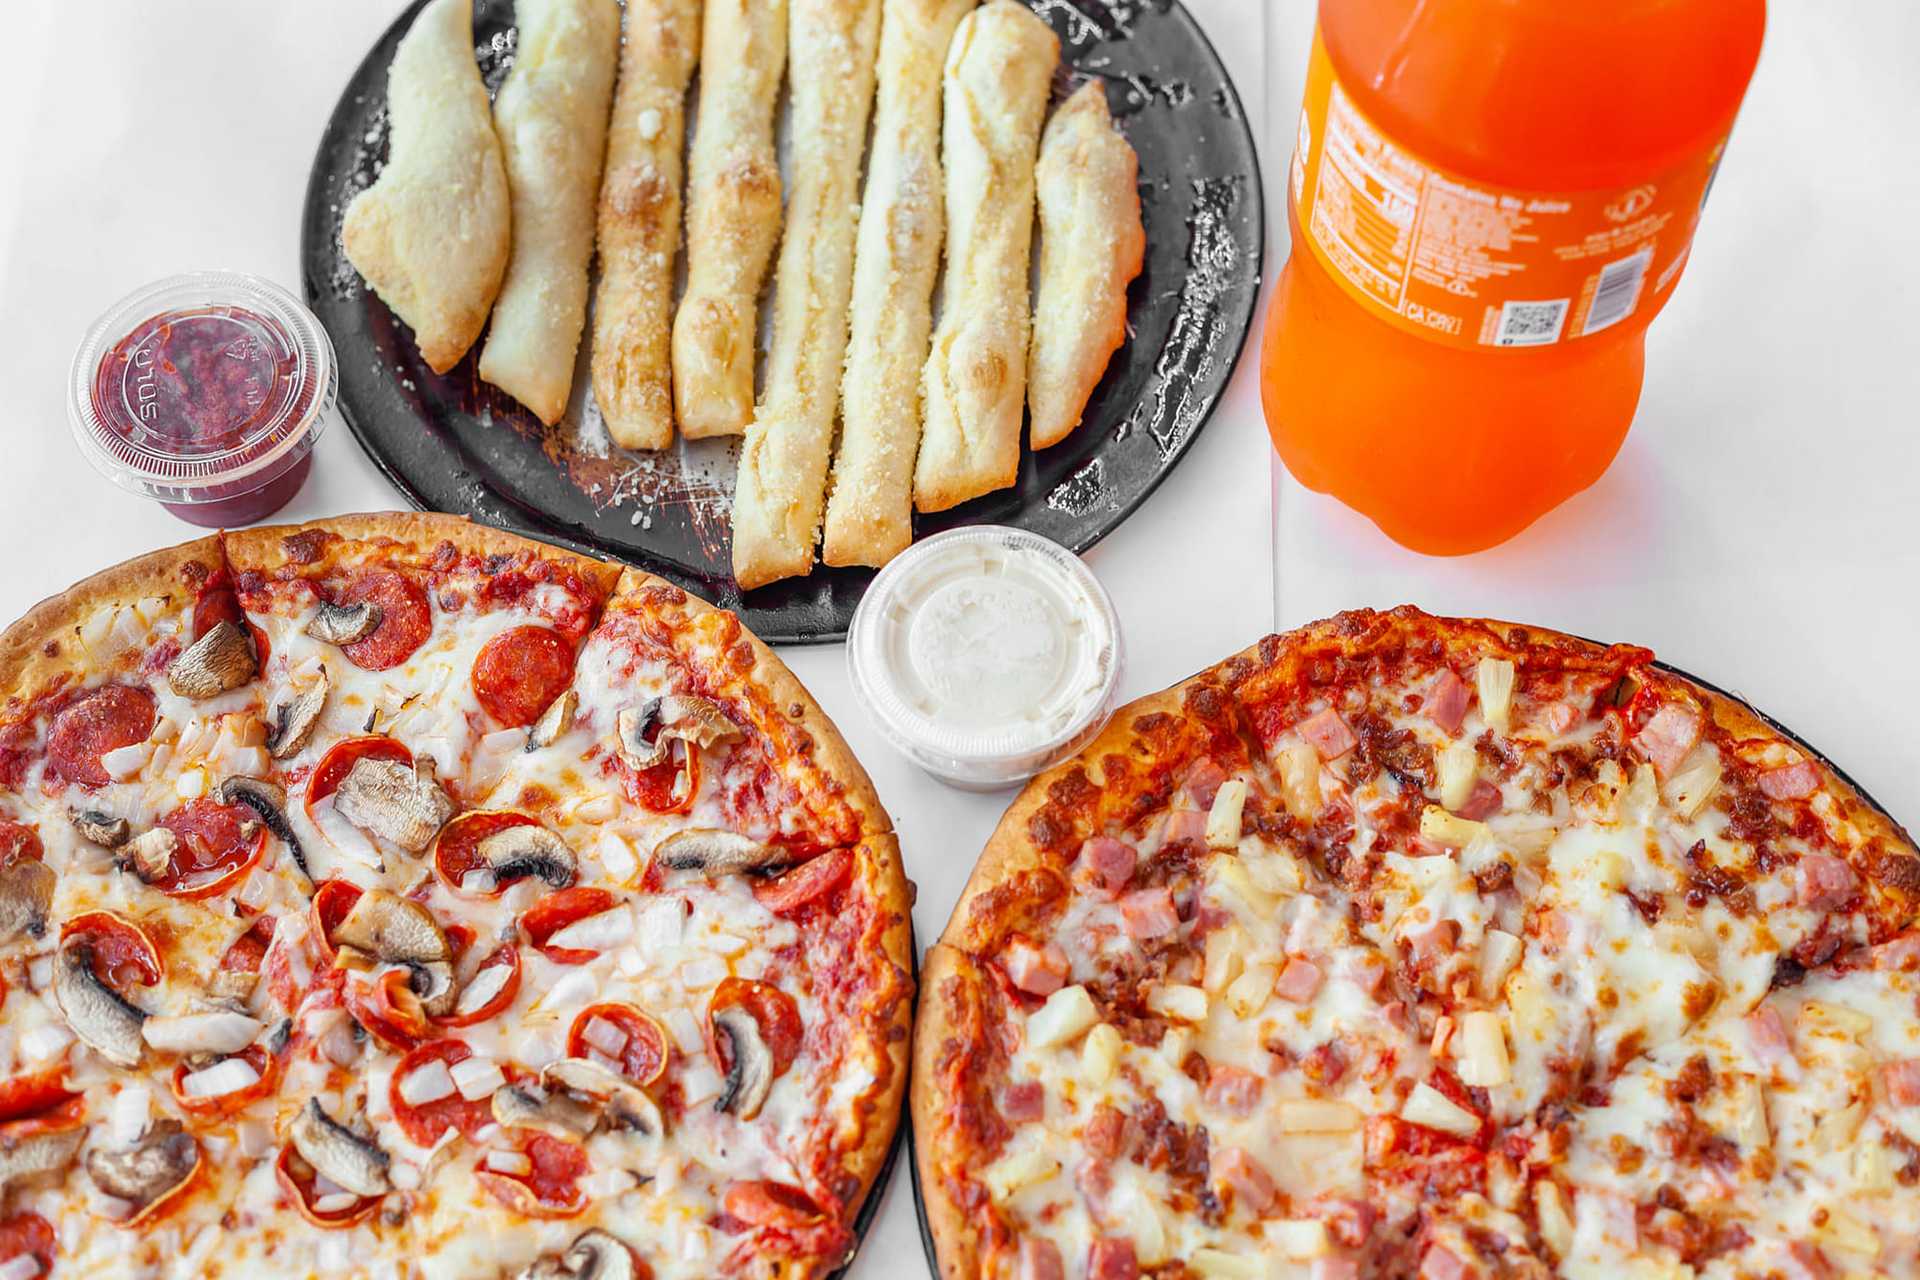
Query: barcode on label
{"points": [[1530, 324], [1618, 292]]}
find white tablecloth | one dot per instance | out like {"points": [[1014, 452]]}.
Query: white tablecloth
{"points": [[148, 139]]}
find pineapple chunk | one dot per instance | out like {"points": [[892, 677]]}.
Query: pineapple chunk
{"points": [[1834, 1130], [1817, 1018], [1550, 1211], [1480, 1050], [1067, 1012], [1223, 819], [1693, 786], [1237, 890], [1315, 1115], [1018, 1170], [1178, 1001], [1299, 1239], [1845, 1230], [1500, 951], [1428, 1107], [1750, 1127], [1494, 676], [1531, 1009], [1226, 948], [1219, 1265], [1441, 827], [1643, 792], [1249, 993], [1148, 1229], [1272, 872], [1874, 1168], [1100, 1055], [1458, 765], [1175, 1044], [1300, 779]]}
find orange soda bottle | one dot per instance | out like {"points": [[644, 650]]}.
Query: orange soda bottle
{"points": [[1489, 200]]}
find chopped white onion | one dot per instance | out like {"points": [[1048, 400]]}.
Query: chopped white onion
{"points": [[40, 972], [336, 1202], [255, 1138], [340, 1047], [504, 742], [46, 1041], [477, 1078], [485, 986], [23, 1266], [617, 856], [128, 1116], [126, 762], [701, 971], [513, 1162], [477, 881], [229, 1075], [604, 1036], [578, 986], [604, 1184], [428, 1083], [600, 932], [222, 1032], [404, 1174]]}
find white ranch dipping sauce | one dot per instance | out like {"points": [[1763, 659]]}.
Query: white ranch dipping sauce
{"points": [[985, 654]]}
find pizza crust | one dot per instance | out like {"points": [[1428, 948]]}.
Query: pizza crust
{"points": [[955, 1235]]}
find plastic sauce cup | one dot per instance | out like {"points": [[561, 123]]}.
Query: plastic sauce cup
{"points": [[986, 654], [205, 392]]}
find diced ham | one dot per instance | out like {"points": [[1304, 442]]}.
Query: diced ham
{"points": [[1039, 1260], [1616, 1214], [1372, 976], [1434, 943], [1558, 717], [1186, 826], [1767, 1034], [1203, 781], [1440, 1263], [1446, 703], [1485, 801], [1903, 1082], [1826, 882], [1105, 1134], [1024, 1101], [1328, 733], [1298, 981], [1038, 971], [1240, 1173], [1349, 1221], [1668, 736], [1149, 913], [1094, 1179], [1394, 1014], [1107, 864], [1335, 1267], [1806, 1262], [1791, 781], [1233, 1090], [1111, 1259], [1899, 954]]}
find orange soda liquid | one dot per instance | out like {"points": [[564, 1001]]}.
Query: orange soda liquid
{"points": [[1489, 202]]}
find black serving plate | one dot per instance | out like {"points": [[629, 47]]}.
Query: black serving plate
{"points": [[452, 443]]}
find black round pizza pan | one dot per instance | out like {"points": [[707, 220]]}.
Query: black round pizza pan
{"points": [[452, 443]]}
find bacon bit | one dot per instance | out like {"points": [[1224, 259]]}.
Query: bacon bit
{"points": [[1106, 1131], [1107, 864], [1903, 1082], [1186, 826], [1791, 781], [1038, 971], [1240, 1173], [1325, 1063], [1806, 1262], [1826, 882], [1232, 1090], [1112, 1260], [1023, 1102], [1669, 735], [1446, 703], [1039, 1260], [1440, 1264], [1298, 981], [1483, 803], [1149, 913], [1329, 733]]}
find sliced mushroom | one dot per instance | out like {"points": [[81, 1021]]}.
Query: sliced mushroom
{"points": [[344, 623], [150, 853], [159, 1165], [290, 721], [391, 929], [220, 660], [338, 1153], [623, 1105], [104, 1020], [103, 829], [26, 892], [404, 806], [221, 1031], [36, 1155], [268, 801], [513, 853], [593, 1255], [526, 1106], [642, 732], [750, 1078], [553, 722], [717, 853]]}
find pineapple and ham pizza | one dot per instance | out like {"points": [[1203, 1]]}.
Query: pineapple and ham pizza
{"points": [[393, 897], [1375, 951]]}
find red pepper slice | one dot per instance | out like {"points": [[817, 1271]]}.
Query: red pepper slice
{"points": [[558, 910]]}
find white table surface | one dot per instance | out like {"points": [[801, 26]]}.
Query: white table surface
{"points": [[149, 139]]}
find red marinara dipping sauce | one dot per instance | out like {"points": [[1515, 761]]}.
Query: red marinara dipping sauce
{"points": [[205, 392]]}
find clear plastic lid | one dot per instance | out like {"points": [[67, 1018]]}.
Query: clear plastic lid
{"points": [[986, 654], [202, 386]]}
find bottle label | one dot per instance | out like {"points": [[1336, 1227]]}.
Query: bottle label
{"points": [[1471, 264]]}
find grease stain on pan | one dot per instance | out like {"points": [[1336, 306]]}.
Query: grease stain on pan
{"points": [[1083, 492], [1176, 407]]}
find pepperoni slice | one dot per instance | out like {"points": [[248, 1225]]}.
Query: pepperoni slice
{"points": [[245, 953], [27, 1234], [812, 881], [296, 1178], [222, 605], [388, 1008], [114, 715], [456, 849], [773, 1009], [60, 1118], [34, 1093], [644, 1054], [339, 761], [551, 1189], [265, 1066], [520, 672], [219, 843], [506, 954], [558, 910], [332, 900], [19, 841], [424, 1124], [123, 955], [764, 1203], [406, 619], [668, 787]]}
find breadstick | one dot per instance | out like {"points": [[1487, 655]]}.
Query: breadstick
{"points": [[640, 223], [551, 116], [783, 465], [733, 220], [431, 234], [998, 74], [898, 256], [1092, 245]]}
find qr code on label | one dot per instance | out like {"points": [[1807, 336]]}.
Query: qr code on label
{"points": [[1531, 324]]}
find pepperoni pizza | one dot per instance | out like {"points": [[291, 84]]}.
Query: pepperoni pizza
{"points": [[394, 897], [1404, 946]]}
